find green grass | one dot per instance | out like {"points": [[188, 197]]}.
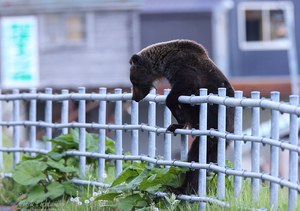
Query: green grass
{"points": [[8, 196], [7, 157], [9, 190], [243, 202]]}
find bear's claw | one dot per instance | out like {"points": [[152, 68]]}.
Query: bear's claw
{"points": [[173, 127]]}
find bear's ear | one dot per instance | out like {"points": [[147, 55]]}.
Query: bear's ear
{"points": [[135, 59]]}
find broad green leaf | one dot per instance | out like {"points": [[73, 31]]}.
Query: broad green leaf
{"points": [[158, 170], [91, 142], [152, 177], [68, 137], [61, 167], [144, 209], [39, 157], [137, 180], [36, 195], [29, 172], [75, 135], [110, 170], [174, 177], [177, 170], [55, 190], [152, 183], [108, 196], [151, 188], [140, 165], [131, 202], [55, 155], [65, 141], [109, 146], [70, 188], [125, 175], [108, 206], [55, 175], [161, 178], [72, 161], [174, 181], [147, 182], [142, 202]]}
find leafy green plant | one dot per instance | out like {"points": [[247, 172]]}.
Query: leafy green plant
{"points": [[47, 180], [48, 176], [172, 202], [135, 187]]}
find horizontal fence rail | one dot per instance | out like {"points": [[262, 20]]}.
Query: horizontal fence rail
{"points": [[135, 127], [193, 100]]}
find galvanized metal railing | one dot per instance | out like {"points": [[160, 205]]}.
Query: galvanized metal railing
{"points": [[255, 103]]}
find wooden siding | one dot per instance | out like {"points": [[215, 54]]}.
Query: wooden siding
{"points": [[105, 64]]}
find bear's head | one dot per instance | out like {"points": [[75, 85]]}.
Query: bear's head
{"points": [[140, 77]]}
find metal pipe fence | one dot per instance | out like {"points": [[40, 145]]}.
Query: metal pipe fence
{"points": [[255, 103]]}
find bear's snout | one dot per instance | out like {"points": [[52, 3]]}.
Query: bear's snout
{"points": [[139, 93], [137, 98]]}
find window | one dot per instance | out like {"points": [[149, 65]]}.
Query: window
{"points": [[262, 26], [63, 30], [74, 29]]}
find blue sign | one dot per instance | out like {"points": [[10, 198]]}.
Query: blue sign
{"points": [[19, 52]]}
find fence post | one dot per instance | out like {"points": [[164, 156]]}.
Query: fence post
{"points": [[274, 155], [32, 118], [202, 150], [293, 159], [1, 136], [238, 144], [167, 136], [48, 119], [151, 122], [118, 141], [134, 133], [102, 135], [16, 129], [221, 145], [184, 147], [255, 150], [65, 111], [82, 132]]}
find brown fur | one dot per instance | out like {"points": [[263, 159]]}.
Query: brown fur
{"points": [[187, 66]]}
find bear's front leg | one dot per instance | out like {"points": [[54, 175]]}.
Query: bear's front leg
{"points": [[173, 127], [176, 110]]}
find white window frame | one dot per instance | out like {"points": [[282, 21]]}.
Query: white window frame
{"points": [[245, 45]]}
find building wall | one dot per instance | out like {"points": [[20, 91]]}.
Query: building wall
{"points": [[258, 62], [99, 58], [113, 34], [102, 62], [158, 27]]}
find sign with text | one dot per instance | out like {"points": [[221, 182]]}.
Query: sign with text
{"points": [[19, 52]]}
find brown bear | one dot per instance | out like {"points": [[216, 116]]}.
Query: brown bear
{"points": [[187, 67]]}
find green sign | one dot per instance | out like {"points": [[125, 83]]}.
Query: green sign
{"points": [[19, 52]]}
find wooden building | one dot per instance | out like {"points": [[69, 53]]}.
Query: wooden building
{"points": [[88, 43], [80, 43]]}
